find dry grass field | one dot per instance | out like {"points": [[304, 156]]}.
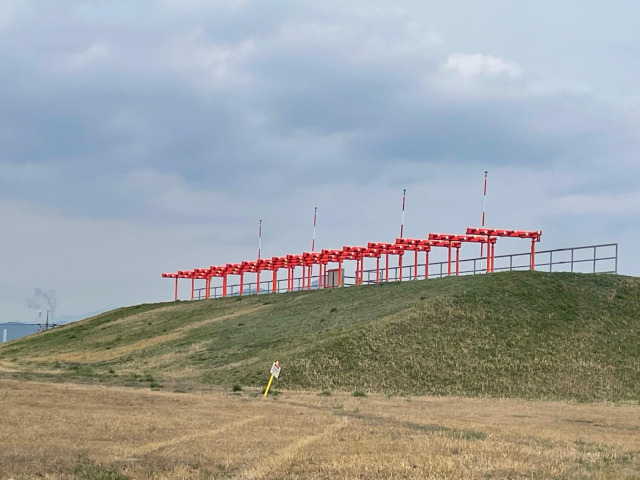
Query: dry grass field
{"points": [[65, 431]]}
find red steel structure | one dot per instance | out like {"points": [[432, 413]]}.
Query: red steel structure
{"points": [[535, 236], [418, 244], [387, 249], [307, 260], [459, 239]]}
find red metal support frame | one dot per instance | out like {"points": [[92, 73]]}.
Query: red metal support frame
{"points": [[453, 238], [534, 235], [425, 245], [307, 260], [386, 249], [370, 253], [355, 253]]}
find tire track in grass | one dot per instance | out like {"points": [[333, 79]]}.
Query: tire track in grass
{"points": [[154, 446], [286, 454]]}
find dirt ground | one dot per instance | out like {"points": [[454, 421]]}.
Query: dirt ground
{"points": [[66, 431]]}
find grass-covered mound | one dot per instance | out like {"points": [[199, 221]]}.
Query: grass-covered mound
{"points": [[519, 334]]}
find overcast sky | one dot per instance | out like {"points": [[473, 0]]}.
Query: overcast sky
{"points": [[150, 136]]}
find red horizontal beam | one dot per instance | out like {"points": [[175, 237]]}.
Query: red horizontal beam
{"points": [[411, 243], [460, 238], [498, 232]]}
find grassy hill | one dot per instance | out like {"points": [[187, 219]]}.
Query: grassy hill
{"points": [[519, 334]]}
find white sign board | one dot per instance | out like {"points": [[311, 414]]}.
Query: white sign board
{"points": [[275, 370]]}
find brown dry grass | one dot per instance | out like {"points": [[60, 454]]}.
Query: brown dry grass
{"points": [[63, 431]]}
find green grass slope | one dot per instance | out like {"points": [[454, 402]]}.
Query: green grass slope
{"points": [[519, 334]]}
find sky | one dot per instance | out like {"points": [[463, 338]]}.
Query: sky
{"points": [[143, 137]]}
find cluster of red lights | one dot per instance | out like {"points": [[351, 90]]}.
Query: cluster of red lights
{"points": [[323, 259]]}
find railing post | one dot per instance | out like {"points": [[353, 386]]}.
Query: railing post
{"points": [[572, 260], [511, 263]]}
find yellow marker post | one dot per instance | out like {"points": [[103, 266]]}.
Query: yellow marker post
{"points": [[275, 372]]}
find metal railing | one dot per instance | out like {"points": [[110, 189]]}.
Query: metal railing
{"points": [[589, 259]]}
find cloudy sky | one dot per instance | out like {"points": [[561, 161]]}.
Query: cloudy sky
{"points": [[150, 136]]}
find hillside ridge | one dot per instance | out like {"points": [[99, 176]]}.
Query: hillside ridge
{"points": [[513, 334]]}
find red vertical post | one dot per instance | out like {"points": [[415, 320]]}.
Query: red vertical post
{"points": [[258, 282], [426, 265], [207, 287], [224, 285], [377, 269], [400, 267], [304, 276], [387, 268], [321, 277], [193, 282], [488, 255], [274, 287], [241, 283], [415, 265], [493, 257], [176, 291], [449, 260], [533, 254], [340, 273], [457, 261]]}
